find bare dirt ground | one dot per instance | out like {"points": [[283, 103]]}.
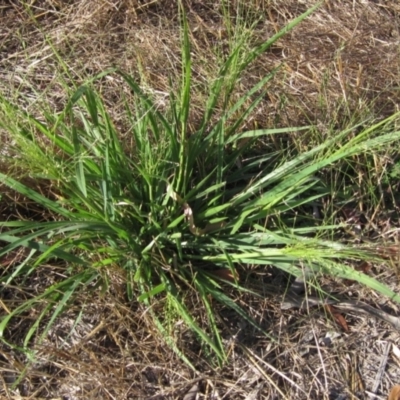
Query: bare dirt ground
{"points": [[339, 66]]}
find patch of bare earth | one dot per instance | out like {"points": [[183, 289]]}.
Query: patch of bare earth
{"points": [[339, 66]]}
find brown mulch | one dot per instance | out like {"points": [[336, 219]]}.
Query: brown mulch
{"points": [[339, 67]]}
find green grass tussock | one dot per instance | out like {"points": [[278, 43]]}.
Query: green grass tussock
{"points": [[177, 204]]}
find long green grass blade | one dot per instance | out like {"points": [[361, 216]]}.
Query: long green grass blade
{"points": [[35, 196]]}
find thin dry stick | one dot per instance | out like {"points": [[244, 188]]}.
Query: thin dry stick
{"points": [[292, 300], [381, 370]]}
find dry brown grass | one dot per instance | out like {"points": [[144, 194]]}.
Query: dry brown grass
{"points": [[341, 65]]}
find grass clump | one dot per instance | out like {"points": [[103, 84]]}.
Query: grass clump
{"points": [[180, 209]]}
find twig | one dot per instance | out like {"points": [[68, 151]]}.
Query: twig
{"points": [[381, 370]]}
